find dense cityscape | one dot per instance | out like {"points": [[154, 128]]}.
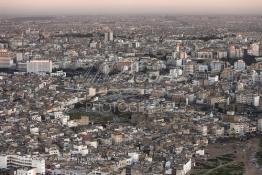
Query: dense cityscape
{"points": [[131, 95]]}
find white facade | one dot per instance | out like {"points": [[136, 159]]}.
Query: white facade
{"points": [[92, 143], [92, 92], [109, 36], [39, 66], [238, 128], [25, 171], [202, 68], [254, 49], [221, 54], [34, 130], [3, 161], [200, 152], [80, 149], [105, 68], [205, 54], [212, 80], [19, 56], [136, 44], [250, 99], [175, 72], [216, 66], [93, 44], [185, 168], [204, 130], [256, 77], [135, 67], [58, 74], [22, 161], [240, 65], [53, 151], [256, 100], [134, 157]]}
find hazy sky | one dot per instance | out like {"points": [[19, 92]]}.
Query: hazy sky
{"points": [[50, 7]]}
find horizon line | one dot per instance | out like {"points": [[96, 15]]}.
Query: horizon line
{"points": [[131, 14]]}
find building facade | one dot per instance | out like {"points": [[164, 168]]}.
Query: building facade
{"points": [[39, 66], [5, 60], [18, 161]]}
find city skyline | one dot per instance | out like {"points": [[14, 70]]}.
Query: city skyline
{"points": [[130, 88], [82, 7]]}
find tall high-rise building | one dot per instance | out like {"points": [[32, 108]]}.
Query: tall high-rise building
{"points": [[232, 51], [239, 52], [5, 59], [235, 52], [106, 37], [109, 36], [39, 66]]}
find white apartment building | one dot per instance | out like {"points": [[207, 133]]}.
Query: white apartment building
{"points": [[58, 74], [205, 54], [92, 92], [256, 77], [250, 99], [216, 66], [39, 66], [213, 79], [221, 54], [80, 149], [202, 68], [240, 65], [238, 128], [25, 171], [109, 36], [185, 168], [175, 72], [256, 100], [20, 161]]}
